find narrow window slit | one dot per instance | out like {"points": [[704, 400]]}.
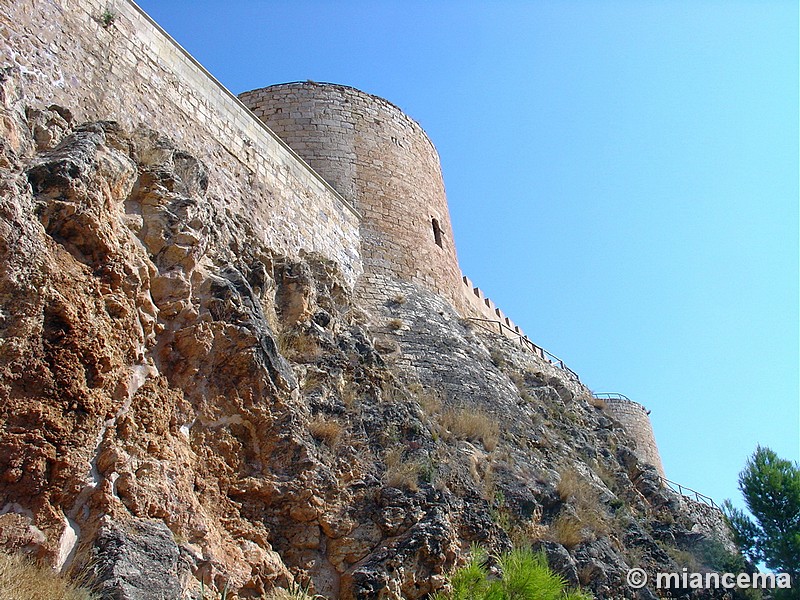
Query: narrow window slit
{"points": [[437, 232]]}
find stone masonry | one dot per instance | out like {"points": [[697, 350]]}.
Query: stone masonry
{"points": [[381, 160], [116, 63], [634, 418]]}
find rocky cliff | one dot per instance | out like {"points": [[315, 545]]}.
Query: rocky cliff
{"points": [[181, 403]]}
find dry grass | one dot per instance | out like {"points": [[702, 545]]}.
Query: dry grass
{"points": [[327, 431], [430, 403], [394, 324], [401, 473], [429, 400], [295, 345], [483, 475], [597, 403], [520, 381], [573, 486], [357, 316], [348, 391], [393, 391], [567, 531], [589, 519], [473, 425], [497, 358], [295, 592], [518, 378], [587, 573], [314, 378], [532, 530], [23, 580]]}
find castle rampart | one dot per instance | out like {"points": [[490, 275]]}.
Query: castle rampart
{"points": [[124, 67], [381, 160], [480, 306]]}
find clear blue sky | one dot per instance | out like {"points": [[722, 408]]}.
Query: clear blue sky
{"points": [[622, 179]]}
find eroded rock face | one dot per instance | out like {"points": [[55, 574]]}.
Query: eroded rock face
{"points": [[179, 403], [138, 560]]}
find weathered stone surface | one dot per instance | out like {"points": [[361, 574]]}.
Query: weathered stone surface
{"points": [[137, 561], [383, 162], [560, 561], [61, 55], [634, 417]]}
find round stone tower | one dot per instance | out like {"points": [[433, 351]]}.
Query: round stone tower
{"points": [[636, 420], [383, 162]]}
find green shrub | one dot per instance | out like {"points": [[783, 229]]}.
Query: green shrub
{"points": [[525, 576]]}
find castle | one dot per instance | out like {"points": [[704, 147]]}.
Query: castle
{"points": [[327, 168], [382, 162]]}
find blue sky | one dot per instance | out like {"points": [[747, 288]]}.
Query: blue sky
{"points": [[622, 180]]}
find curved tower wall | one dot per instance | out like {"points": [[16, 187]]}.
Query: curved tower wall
{"points": [[636, 421], [383, 162]]}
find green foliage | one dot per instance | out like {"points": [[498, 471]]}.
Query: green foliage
{"points": [[771, 489], [470, 582], [745, 531], [107, 18], [578, 595], [525, 576], [712, 554]]}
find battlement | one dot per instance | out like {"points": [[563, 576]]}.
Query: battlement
{"points": [[483, 307], [381, 160]]}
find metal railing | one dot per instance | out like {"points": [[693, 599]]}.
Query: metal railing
{"points": [[526, 343], [611, 396], [690, 493], [684, 491], [687, 492]]}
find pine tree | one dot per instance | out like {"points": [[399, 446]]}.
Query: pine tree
{"points": [[771, 489]]}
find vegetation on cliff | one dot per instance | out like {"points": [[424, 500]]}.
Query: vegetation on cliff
{"points": [[523, 575], [22, 579]]}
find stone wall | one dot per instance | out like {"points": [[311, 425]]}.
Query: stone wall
{"points": [[382, 161], [480, 306], [634, 418], [123, 67]]}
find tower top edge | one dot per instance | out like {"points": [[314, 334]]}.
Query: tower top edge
{"points": [[626, 402], [344, 89]]}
